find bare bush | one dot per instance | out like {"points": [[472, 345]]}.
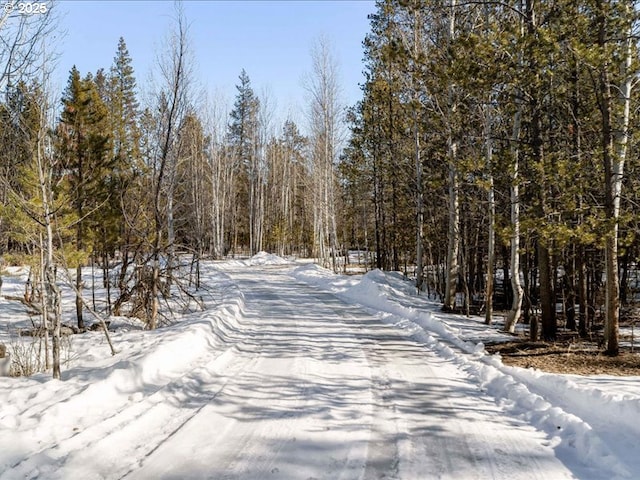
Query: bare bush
{"points": [[27, 356]]}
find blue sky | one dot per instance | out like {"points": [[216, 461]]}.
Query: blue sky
{"points": [[270, 39]]}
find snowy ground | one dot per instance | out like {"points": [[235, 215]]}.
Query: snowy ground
{"points": [[295, 373]]}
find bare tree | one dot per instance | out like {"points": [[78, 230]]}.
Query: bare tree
{"points": [[286, 180], [222, 176], [193, 192], [325, 118], [265, 132], [172, 102], [21, 41], [51, 306]]}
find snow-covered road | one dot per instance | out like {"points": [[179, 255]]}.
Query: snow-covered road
{"points": [[317, 388], [283, 381]]}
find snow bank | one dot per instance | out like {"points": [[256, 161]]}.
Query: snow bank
{"points": [[173, 354], [259, 259], [264, 258], [38, 409], [555, 404]]}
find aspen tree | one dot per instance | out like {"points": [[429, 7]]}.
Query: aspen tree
{"points": [[325, 122], [615, 87], [514, 191]]}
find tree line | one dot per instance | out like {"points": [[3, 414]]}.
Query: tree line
{"points": [[496, 146], [135, 186]]}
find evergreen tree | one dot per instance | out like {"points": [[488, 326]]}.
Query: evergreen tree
{"points": [[244, 138], [123, 109], [85, 164], [123, 119]]}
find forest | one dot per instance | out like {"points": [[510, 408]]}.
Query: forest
{"points": [[495, 148], [492, 158]]}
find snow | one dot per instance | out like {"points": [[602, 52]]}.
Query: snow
{"points": [[293, 372], [566, 407], [264, 258], [259, 259]]}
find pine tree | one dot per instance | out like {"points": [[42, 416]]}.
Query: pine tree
{"points": [[124, 108], [85, 163], [123, 119], [615, 22], [244, 138]]}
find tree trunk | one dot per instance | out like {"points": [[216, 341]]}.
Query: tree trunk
{"points": [[453, 235], [491, 206], [419, 207], [615, 136], [454, 189], [52, 309], [583, 299], [516, 307], [547, 297], [78, 297], [569, 287]]}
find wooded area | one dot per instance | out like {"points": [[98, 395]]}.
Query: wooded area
{"points": [[493, 156], [508, 129]]}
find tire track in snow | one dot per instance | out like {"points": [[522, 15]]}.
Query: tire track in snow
{"points": [[291, 356], [158, 412], [184, 419], [148, 390], [501, 456], [298, 413], [427, 417]]}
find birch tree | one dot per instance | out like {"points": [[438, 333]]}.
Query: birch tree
{"points": [[454, 186], [222, 180], [193, 193], [287, 169], [36, 211], [514, 192], [325, 118]]}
